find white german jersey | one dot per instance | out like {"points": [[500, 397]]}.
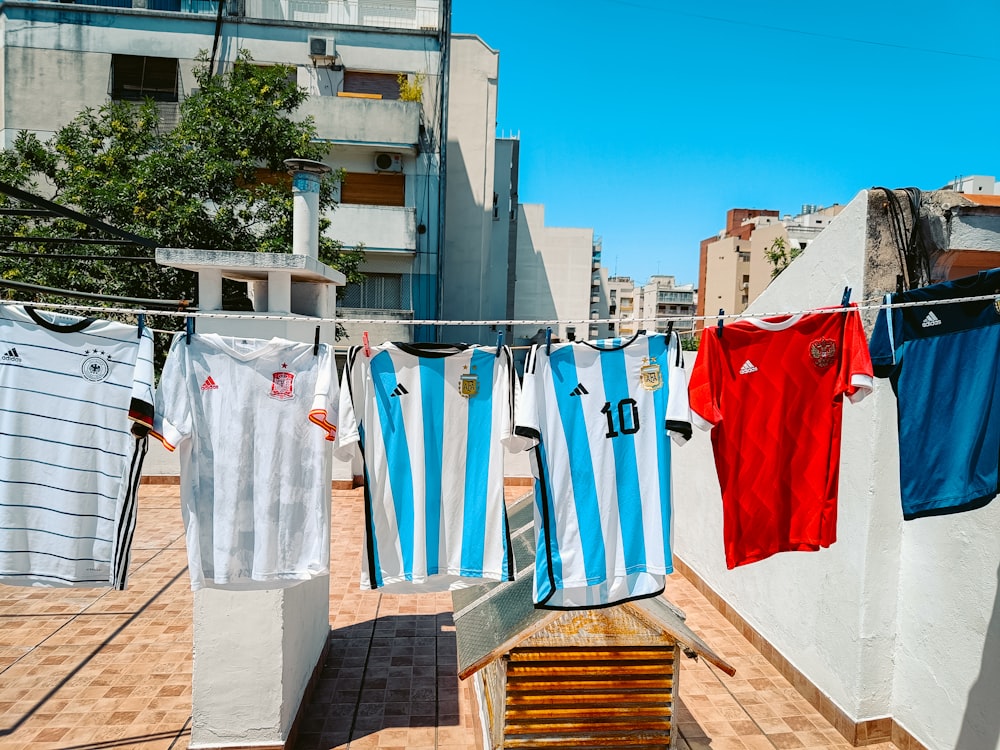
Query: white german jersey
{"points": [[599, 415], [255, 490], [76, 403], [431, 422]]}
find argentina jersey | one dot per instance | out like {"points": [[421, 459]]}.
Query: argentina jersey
{"points": [[943, 362], [76, 404], [429, 423], [600, 416]]}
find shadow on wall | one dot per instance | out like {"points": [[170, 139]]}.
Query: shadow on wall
{"points": [[981, 723], [399, 671]]}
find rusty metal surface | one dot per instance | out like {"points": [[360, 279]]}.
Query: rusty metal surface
{"points": [[589, 697]]}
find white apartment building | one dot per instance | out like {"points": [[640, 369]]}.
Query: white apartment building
{"points": [[661, 299], [58, 58], [621, 305]]}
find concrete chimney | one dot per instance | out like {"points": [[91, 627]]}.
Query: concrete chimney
{"points": [[306, 177]]}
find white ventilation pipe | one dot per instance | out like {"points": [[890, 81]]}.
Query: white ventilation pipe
{"points": [[306, 177]]}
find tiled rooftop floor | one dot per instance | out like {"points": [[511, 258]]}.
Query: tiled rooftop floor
{"points": [[104, 670]]}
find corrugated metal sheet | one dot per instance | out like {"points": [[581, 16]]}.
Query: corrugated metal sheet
{"points": [[589, 698]]}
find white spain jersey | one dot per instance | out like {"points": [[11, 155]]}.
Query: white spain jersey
{"points": [[255, 490], [76, 403], [431, 422], [599, 415]]}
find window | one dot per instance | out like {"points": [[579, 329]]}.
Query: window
{"points": [[374, 189], [571, 333], [379, 291], [744, 257], [379, 85], [134, 78]]}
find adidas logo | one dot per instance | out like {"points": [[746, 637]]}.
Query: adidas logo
{"points": [[11, 355], [747, 368], [399, 390], [579, 390], [931, 320], [209, 384]]}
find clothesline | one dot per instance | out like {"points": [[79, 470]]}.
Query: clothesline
{"points": [[866, 305]]}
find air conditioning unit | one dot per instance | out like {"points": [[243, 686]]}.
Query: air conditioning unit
{"points": [[388, 163], [322, 48]]}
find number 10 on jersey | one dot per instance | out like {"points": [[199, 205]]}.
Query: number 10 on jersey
{"points": [[628, 417]]}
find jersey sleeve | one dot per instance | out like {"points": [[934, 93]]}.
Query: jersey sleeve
{"points": [[351, 385], [325, 401], [859, 380], [526, 423], [703, 387], [172, 417], [678, 420], [885, 335], [510, 387], [141, 407]]}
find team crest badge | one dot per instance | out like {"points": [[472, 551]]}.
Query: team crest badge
{"points": [[650, 376], [281, 385], [95, 367], [823, 352], [468, 384]]}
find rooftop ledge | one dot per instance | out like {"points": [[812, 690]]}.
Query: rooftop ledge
{"points": [[241, 266]]}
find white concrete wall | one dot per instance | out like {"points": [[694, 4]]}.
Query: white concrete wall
{"points": [[895, 619]]}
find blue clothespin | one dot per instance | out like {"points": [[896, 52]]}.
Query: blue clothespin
{"points": [[499, 343], [141, 322], [548, 340], [721, 314], [846, 299], [188, 329]]}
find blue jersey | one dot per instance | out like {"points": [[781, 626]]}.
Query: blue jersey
{"points": [[431, 422], [600, 416], [943, 362]]}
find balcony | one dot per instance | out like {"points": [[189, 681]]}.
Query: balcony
{"points": [[379, 228], [416, 15], [379, 122]]}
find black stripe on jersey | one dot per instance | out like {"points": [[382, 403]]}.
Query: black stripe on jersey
{"points": [[141, 414], [54, 533], [369, 523], [511, 567], [50, 418], [59, 396], [76, 327], [512, 385], [59, 442], [49, 554], [542, 482], [60, 466], [527, 432], [56, 510], [126, 522], [529, 363], [679, 361], [75, 376], [681, 428]]}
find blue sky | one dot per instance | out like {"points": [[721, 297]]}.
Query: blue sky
{"points": [[648, 120]]}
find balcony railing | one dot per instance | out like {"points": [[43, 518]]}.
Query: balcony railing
{"points": [[349, 120], [378, 228], [422, 15]]}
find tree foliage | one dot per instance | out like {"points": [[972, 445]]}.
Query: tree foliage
{"points": [[215, 181], [779, 255]]}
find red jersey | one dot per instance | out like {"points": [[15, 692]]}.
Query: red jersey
{"points": [[773, 390]]}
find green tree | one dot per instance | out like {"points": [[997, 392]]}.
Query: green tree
{"points": [[779, 255], [215, 181]]}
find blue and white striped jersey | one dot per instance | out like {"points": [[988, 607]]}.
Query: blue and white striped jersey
{"points": [[599, 415], [431, 422], [76, 404]]}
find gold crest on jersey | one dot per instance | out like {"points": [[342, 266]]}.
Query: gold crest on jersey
{"points": [[468, 384], [650, 376], [823, 352]]}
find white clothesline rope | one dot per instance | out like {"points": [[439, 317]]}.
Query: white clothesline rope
{"points": [[867, 305]]}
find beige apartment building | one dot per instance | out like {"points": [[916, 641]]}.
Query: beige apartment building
{"points": [[733, 267]]}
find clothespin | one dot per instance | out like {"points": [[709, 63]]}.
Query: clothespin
{"points": [[548, 340], [670, 328], [188, 329], [316, 342], [367, 346], [499, 343], [846, 299], [722, 314], [141, 323]]}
